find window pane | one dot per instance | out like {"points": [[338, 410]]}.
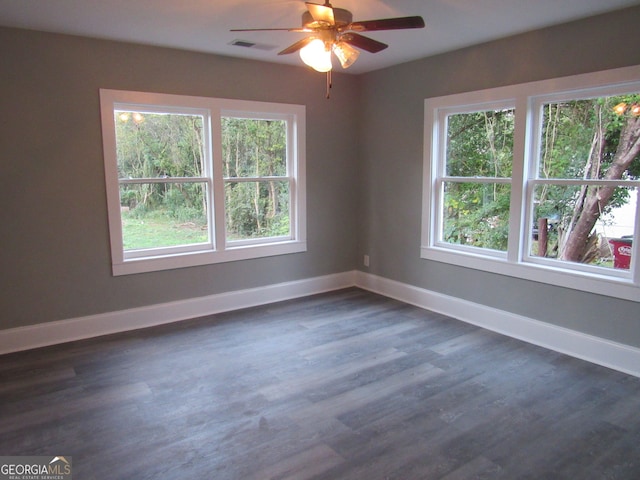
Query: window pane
{"points": [[480, 144], [257, 209], [476, 214], [582, 138], [163, 215], [582, 222], [155, 145], [254, 148]]}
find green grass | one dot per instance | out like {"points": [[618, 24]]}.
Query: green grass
{"points": [[160, 230]]}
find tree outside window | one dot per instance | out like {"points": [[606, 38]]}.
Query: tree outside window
{"points": [[584, 142]]}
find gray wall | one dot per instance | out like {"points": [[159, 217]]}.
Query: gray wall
{"points": [[55, 245], [391, 127], [364, 170]]}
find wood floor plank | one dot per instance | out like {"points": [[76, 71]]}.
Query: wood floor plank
{"points": [[357, 342], [303, 465], [479, 468], [358, 397], [322, 377], [41, 378], [74, 402]]}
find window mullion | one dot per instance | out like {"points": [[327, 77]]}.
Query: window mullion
{"points": [[293, 224], [438, 212], [208, 172], [439, 166], [518, 216], [218, 209]]}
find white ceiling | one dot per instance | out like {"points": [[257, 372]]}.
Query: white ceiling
{"points": [[203, 25]]}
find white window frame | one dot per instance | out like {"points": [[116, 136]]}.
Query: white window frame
{"points": [[441, 177], [517, 262], [218, 249]]}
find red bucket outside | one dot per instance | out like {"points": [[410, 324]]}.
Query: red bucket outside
{"points": [[621, 252]]}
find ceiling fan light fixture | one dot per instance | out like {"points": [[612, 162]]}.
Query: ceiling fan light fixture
{"points": [[346, 54], [333, 31], [317, 56]]}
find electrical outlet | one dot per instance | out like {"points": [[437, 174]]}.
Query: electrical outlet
{"points": [[365, 260]]}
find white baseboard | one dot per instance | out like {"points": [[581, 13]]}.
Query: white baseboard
{"points": [[597, 350], [594, 349], [52, 333]]}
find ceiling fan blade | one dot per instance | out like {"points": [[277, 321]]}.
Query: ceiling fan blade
{"points": [[321, 13], [296, 46], [398, 23], [365, 43], [301, 30]]}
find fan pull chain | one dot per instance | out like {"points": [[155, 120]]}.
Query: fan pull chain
{"points": [[329, 83]]}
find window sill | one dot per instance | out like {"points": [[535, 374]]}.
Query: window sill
{"points": [[193, 259], [616, 287]]}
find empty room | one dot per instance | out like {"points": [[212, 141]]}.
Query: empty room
{"points": [[277, 239]]}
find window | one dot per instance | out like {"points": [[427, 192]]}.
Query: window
{"points": [[475, 182], [194, 180], [539, 181], [162, 178], [257, 183]]}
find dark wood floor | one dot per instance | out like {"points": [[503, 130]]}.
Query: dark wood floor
{"points": [[345, 385]]}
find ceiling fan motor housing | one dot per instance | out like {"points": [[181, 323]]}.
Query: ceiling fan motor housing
{"points": [[341, 17]]}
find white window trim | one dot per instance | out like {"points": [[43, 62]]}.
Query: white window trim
{"points": [[218, 250], [517, 262]]}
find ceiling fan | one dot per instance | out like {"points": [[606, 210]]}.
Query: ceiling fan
{"points": [[333, 30]]}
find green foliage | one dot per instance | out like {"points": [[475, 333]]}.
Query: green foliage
{"points": [[254, 148], [256, 207], [159, 145], [157, 150], [477, 214], [479, 144], [614, 128], [569, 132]]}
